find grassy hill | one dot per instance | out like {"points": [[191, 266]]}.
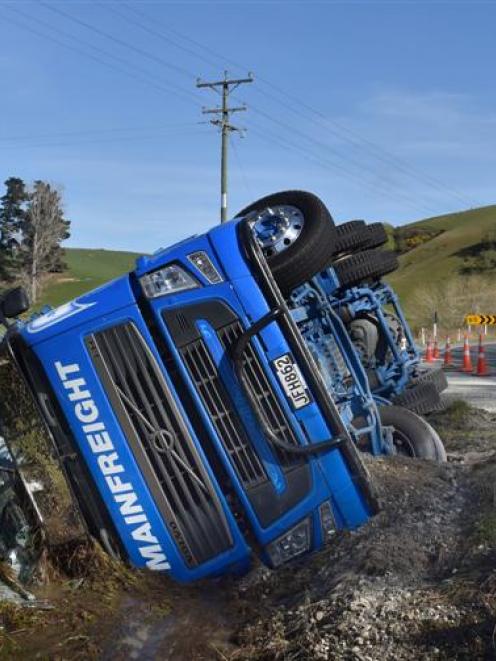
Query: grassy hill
{"points": [[458, 243], [87, 269], [454, 251]]}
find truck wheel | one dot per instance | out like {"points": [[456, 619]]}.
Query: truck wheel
{"points": [[412, 435], [421, 398], [376, 236], [356, 235], [364, 266], [436, 377], [350, 236], [296, 233]]}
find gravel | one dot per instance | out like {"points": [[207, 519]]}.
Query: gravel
{"points": [[417, 582]]}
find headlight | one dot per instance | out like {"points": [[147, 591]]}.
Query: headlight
{"points": [[291, 544], [327, 521], [168, 280]]}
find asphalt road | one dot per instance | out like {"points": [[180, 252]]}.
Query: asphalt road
{"points": [[479, 391]]}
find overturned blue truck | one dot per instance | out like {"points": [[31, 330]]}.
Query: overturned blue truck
{"points": [[213, 404]]}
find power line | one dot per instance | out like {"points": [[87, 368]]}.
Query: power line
{"points": [[102, 140], [341, 172], [378, 152], [227, 85], [112, 66], [77, 50], [120, 42], [151, 30], [285, 126], [282, 125], [383, 186], [352, 137], [90, 132]]}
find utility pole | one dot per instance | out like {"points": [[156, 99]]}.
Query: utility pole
{"points": [[227, 85]]}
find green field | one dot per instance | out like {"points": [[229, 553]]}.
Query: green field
{"points": [[87, 269], [447, 254], [435, 261]]}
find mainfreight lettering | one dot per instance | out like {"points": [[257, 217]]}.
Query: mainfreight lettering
{"points": [[101, 445]]}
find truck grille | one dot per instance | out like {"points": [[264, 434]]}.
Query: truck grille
{"points": [[262, 390], [160, 441], [220, 407], [205, 376]]}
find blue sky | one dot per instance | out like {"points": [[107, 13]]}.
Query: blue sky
{"points": [[384, 109]]}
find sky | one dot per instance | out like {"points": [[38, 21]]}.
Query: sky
{"points": [[386, 110]]}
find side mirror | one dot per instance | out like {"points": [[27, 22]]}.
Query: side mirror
{"points": [[14, 303]]}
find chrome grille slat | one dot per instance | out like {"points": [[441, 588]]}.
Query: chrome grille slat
{"points": [[148, 415]]}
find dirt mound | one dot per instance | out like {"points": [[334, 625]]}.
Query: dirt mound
{"points": [[416, 582]]}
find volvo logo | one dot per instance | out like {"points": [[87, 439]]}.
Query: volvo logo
{"points": [[163, 441]]}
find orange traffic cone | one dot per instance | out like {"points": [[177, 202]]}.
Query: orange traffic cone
{"points": [[435, 353], [482, 368], [429, 357], [448, 358], [467, 360]]}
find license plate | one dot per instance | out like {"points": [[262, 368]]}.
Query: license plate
{"points": [[292, 381]]}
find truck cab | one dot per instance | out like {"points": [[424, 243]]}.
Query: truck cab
{"points": [[193, 423]]}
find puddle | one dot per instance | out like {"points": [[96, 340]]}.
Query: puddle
{"points": [[199, 626]]}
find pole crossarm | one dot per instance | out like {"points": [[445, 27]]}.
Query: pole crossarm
{"points": [[210, 111], [230, 81], [227, 85]]}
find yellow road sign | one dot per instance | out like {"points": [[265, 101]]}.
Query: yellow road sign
{"points": [[480, 319]]}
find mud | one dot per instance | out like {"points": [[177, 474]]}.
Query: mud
{"points": [[417, 582]]}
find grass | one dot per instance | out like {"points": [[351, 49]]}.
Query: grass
{"points": [[457, 414], [87, 269], [485, 531], [435, 261], [445, 255]]}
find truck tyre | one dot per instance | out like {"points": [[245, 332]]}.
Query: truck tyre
{"points": [[350, 236], [365, 266], [436, 377], [304, 231], [412, 435], [356, 235], [376, 236], [421, 398]]}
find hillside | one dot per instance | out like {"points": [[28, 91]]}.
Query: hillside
{"points": [[452, 252], [87, 269]]}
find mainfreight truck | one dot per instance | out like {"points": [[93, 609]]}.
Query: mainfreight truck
{"points": [[200, 418]]}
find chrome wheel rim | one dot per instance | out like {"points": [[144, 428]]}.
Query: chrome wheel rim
{"points": [[278, 227]]}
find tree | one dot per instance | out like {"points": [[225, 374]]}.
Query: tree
{"points": [[12, 214], [43, 229]]}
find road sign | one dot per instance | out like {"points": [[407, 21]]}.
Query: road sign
{"points": [[480, 319]]}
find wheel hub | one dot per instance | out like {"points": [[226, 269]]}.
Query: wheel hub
{"points": [[278, 227]]}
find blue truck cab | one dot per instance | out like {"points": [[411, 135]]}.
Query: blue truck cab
{"points": [[190, 414]]}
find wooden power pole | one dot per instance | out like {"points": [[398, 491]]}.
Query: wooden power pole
{"points": [[227, 85]]}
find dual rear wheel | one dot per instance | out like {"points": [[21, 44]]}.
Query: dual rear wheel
{"points": [[299, 239]]}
